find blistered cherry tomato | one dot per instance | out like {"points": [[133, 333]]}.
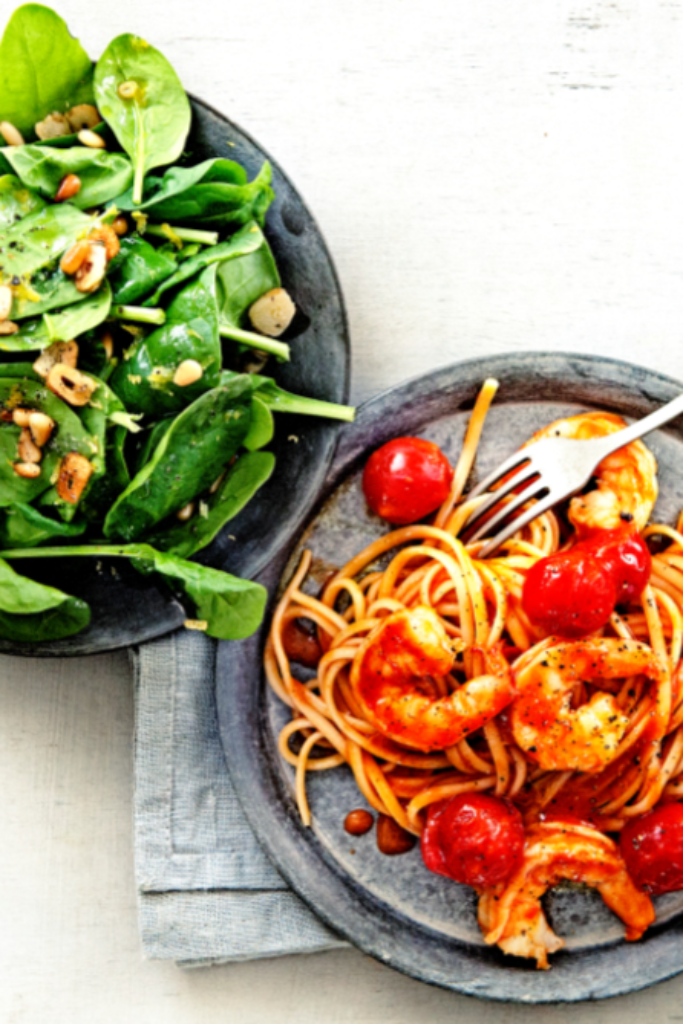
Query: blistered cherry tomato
{"points": [[406, 479], [652, 847], [574, 592], [473, 838], [627, 555], [569, 594]]}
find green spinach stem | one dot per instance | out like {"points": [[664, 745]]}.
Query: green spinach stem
{"points": [[140, 314], [257, 341], [184, 234]]}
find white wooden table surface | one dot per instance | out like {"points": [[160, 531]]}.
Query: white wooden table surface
{"points": [[490, 176]]}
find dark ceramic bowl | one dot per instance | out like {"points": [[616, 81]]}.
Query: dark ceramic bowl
{"points": [[128, 608], [392, 907]]}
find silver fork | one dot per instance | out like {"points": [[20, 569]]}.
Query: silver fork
{"points": [[553, 469]]}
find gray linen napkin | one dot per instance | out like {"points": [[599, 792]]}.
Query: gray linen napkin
{"points": [[207, 893]]}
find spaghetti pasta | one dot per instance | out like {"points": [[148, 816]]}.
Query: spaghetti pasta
{"points": [[426, 572]]}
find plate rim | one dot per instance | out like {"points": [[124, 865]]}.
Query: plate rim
{"points": [[318, 879]]}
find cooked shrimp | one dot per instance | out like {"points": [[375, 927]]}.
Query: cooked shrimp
{"points": [[393, 676], [586, 738], [510, 914], [626, 479]]}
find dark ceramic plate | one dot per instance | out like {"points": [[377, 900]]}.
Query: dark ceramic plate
{"points": [[128, 608], [392, 907]]}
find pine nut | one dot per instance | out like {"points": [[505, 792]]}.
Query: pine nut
{"points": [[120, 226], [74, 257], [8, 327], [20, 416], [107, 343], [55, 126], [74, 472], [109, 239], [83, 115], [28, 470], [28, 451], [70, 385], [127, 90], [41, 426], [10, 134], [69, 186], [6, 299], [91, 139], [272, 313], [90, 274], [188, 372], [64, 352], [186, 512], [217, 482]]}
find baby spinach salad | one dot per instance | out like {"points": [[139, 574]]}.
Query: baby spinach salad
{"points": [[139, 303]]}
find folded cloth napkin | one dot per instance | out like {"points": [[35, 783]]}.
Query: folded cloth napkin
{"points": [[207, 892]]}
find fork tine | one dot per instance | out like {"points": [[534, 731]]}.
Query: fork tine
{"points": [[524, 474], [526, 517], [507, 509], [505, 467]]}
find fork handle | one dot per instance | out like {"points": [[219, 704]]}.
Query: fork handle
{"points": [[658, 418]]}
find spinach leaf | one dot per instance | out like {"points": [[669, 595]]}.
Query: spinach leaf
{"points": [[103, 175], [246, 240], [24, 526], [242, 281], [110, 476], [241, 483], [144, 379], [153, 123], [231, 608], [187, 460], [215, 193], [262, 429], [77, 319], [16, 201], [32, 612], [42, 68], [138, 268], [37, 240]]}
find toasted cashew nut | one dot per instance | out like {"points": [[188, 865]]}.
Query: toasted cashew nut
{"points": [[10, 134], [71, 385], [109, 239], [8, 327], [83, 115], [74, 472], [20, 416], [6, 299], [28, 470], [41, 426], [64, 352], [91, 139], [54, 126], [272, 313], [69, 186], [90, 274], [28, 451], [188, 372]]}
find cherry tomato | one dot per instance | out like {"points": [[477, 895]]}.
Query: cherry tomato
{"points": [[406, 479], [627, 555], [473, 838], [652, 847], [574, 592], [569, 594]]}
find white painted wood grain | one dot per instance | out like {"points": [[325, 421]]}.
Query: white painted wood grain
{"points": [[490, 177]]}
